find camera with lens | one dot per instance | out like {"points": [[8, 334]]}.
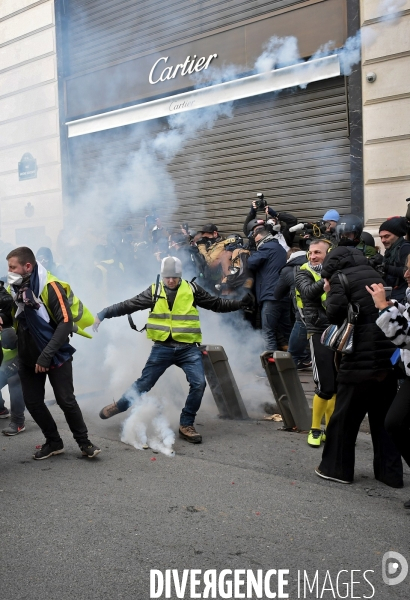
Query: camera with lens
{"points": [[260, 203]]}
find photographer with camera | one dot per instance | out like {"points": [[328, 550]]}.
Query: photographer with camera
{"points": [[266, 262], [211, 246], [193, 263], [238, 278], [280, 222]]}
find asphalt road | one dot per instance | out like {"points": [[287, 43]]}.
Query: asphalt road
{"points": [[247, 498]]}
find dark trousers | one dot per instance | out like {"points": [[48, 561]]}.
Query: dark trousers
{"points": [[353, 401], [324, 370], [298, 343], [275, 322], [398, 420], [61, 380]]}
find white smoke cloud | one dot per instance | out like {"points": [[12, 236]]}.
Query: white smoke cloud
{"points": [[388, 8], [279, 52], [149, 425]]}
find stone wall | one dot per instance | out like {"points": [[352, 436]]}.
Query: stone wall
{"points": [[31, 211]]}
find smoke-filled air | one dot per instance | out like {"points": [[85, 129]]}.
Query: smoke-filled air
{"points": [[96, 220]]}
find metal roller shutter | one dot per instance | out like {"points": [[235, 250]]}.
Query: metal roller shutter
{"points": [[293, 147], [101, 33]]}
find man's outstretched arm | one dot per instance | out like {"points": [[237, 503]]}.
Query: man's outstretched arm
{"points": [[140, 302]]}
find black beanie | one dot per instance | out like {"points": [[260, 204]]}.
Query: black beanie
{"points": [[396, 225]]}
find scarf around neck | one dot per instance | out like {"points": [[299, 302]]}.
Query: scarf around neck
{"points": [[317, 268], [391, 254], [31, 314]]}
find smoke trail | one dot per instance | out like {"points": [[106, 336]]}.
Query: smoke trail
{"points": [[149, 425]]}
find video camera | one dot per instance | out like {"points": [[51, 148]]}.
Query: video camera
{"points": [[260, 203], [316, 229]]}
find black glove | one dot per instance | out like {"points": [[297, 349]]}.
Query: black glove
{"points": [[204, 241], [248, 301], [251, 244]]}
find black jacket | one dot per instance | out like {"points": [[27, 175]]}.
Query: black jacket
{"points": [[311, 291], [393, 273], [372, 351], [286, 284], [145, 300]]}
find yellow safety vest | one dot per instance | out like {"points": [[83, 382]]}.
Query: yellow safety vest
{"points": [[316, 277], [182, 322], [82, 317]]}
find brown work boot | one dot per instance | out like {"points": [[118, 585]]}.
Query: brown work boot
{"points": [[109, 411], [188, 433]]}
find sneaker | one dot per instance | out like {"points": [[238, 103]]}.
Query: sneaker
{"points": [[189, 433], [4, 413], [49, 449], [13, 429], [109, 411], [89, 450], [315, 438], [303, 366], [324, 436], [323, 476]]}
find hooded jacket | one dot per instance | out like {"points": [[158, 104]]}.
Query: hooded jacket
{"points": [[372, 351]]}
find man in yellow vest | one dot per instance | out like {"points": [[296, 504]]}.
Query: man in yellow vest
{"points": [[311, 301], [46, 313], [173, 325]]}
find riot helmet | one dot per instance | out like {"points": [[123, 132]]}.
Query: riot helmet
{"points": [[349, 230]]}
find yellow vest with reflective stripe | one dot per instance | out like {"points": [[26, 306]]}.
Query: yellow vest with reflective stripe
{"points": [[82, 317], [316, 277], [182, 322]]}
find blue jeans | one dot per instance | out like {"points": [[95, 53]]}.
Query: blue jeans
{"points": [[275, 317], [298, 343], [189, 359], [17, 405]]}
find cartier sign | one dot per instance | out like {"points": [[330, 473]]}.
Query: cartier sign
{"points": [[190, 66], [170, 70]]}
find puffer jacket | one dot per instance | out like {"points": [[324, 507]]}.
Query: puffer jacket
{"points": [[311, 291], [372, 350]]}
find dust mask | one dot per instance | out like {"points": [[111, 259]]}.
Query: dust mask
{"points": [[14, 278]]}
